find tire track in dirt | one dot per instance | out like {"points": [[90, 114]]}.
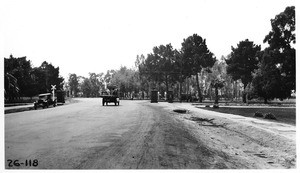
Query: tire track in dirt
{"points": [[246, 145], [157, 141]]}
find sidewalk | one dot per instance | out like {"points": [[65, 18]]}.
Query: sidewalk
{"points": [[27, 107], [13, 109]]}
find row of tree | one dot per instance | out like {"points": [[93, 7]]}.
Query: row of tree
{"points": [[268, 73], [256, 73], [86, 87], [169, 66], [21, 79], [132, 84], [92, 86]]}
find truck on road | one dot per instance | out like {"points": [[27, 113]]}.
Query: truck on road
{"points": [[112, 96]]}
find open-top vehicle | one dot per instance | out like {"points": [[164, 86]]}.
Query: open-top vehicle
{"points": [[111, 97], [45, 100]]}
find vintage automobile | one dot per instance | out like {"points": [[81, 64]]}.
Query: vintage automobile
{"points": [[45, 100], [110, 97]]}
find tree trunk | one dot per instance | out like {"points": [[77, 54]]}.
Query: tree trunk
{"points": [[198, 87], [245, 94], [180, 91], [217, 94], [234, 87], [265, 100], [244, 97], [167, 86], [187, 86]]}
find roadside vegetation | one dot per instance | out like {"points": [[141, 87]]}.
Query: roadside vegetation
{"points": [[22, 81], [192, 73], [284, 115]]}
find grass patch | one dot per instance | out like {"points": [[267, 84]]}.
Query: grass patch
{"points": [[284, 115]]}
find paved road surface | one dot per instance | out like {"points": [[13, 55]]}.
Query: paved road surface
{"points": [[136, 134]]}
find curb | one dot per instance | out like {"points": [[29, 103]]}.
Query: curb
{"points": [[18, 110], [30, 107], [22, 109]]}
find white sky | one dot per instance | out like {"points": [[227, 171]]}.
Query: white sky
{"points": [[95, 36]]}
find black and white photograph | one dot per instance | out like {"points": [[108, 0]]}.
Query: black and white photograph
{"points": [[148, 85]]}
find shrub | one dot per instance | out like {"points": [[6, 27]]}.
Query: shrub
{"points": [[270, 116], [258, 114], [215, 106]]}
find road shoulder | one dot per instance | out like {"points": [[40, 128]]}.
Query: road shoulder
{"points": [[263, 144]]}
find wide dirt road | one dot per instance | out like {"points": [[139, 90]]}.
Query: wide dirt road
{"points": [[136, 134]]}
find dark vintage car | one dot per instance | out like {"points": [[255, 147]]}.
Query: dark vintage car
{"points": [[107, 98], [45, 100], [112, 96]]}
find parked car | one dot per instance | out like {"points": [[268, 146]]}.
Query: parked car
{"points": [[45, 100]]}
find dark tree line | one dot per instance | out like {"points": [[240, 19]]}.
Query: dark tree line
{"points": [[270, 73], [168, 66], [255, 73], [23, 80], [267, 74], [277, 68], [242, 63]]}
